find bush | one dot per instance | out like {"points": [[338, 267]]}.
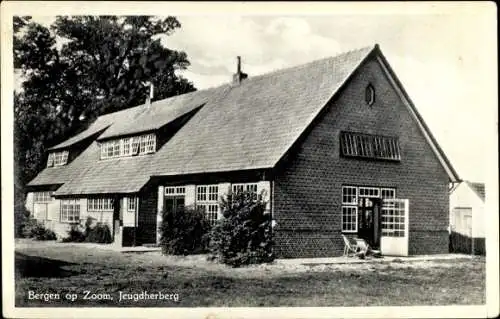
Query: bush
{"points": [[34, 229], [100, 233], [244, 235], [75, 234], [184, 232]]}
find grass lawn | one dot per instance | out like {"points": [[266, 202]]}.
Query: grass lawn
{"points": [[68, 268]]}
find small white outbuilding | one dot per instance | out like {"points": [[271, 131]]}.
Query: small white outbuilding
{"points": [[467, 218]]}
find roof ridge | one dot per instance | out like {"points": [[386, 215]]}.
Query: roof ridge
{"points": [[259, 76], [308, 64]]}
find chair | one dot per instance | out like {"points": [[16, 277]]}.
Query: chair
{"points": [[363, 249], [348, 246]]}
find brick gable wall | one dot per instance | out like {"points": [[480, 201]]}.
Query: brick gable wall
{"points": [[307, 188]]}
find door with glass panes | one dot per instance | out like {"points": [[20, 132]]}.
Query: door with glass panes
{"points": [[173, 203]]}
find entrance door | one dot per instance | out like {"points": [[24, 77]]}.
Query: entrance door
{"points": [[369, 221], [394, 239], [173, 203]]}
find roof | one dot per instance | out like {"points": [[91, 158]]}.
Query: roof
{"points": [[102, 122], [478, 188], [116, 175], [158, 114], [252, 125], [239, 127]]}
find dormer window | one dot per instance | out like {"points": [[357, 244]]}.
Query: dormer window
{"points": [[57, 158], [129, 146], [370, 95]]}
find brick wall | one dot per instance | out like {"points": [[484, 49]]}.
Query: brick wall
{"points": [[148, 211], [307, 186]]}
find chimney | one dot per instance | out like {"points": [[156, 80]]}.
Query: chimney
{"points": [[149, 98], [238, 76]]}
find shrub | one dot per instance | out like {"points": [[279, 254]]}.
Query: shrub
{"points": [[34, 229], [244, 235], [21, 217], [184, 232], [75, 234], [100, 233]]}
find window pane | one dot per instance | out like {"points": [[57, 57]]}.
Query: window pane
{"points": [[349, 218]]}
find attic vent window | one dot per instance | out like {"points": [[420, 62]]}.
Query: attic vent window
{"points": [[370, 95], [369, 146], [57, 158]]}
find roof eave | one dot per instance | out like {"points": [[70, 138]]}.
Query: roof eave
{"points": [[62, 146], [445, 162]]}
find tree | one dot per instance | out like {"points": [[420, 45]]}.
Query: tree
{"points": [[82, 67]]}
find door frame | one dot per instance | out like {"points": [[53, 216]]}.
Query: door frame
{"points": [[372, 236]]}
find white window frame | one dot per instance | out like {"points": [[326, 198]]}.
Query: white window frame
{"points": [[207, 197], [100, 204], [50, 160], [131, 203], [353, 193], [350, 194], [370, 192], [385, 190], [150, 141], [129, 146], [57, 158], [42, 197], [174, 190], [349, 219], [251, 188], [70, 211]]}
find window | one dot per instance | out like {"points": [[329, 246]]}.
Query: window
{"points": [[388, 193], [131, 204], [99, 204], [50, 160], [207, 198], [116, 148], [129, 146], [41, 197], [57, 158], [150, 143], [135, 145], [70, 210], [350, 196], [171, 190], [369, 146], [370, 95], [247, 187], [369, 192], [349, 218], [349, 209], [142, 145]]}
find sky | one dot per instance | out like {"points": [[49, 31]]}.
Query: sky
{"points": [[446, 60]]}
